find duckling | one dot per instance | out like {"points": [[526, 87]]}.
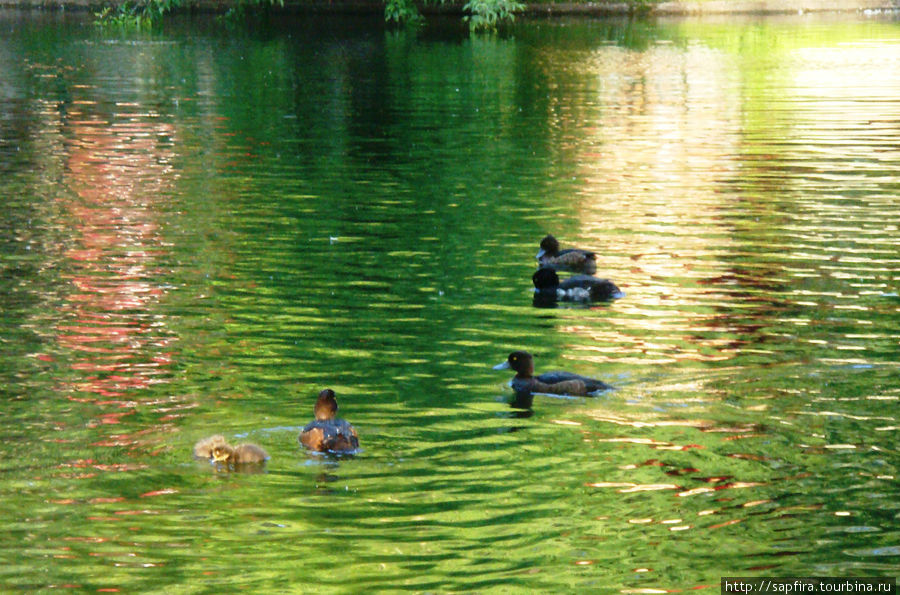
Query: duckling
{"points": [[326, 433], [242, 454], [571, 259], [555, 383], [204, 448], [577, 288]]}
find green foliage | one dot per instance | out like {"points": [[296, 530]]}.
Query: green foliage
{"points": [[402, 12], [138, 15], [642, 7], [243, 8], [487, 14], [482, 14]]}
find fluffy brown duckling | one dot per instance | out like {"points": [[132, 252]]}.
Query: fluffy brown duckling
{"points": [[325, 433], [204, 448], [571, 259], [554, 383], [216, 449], [242, 454]]}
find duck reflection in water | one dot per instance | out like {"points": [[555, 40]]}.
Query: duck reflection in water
{"points": [[583, 289], [330, 467], [525, 383], [327, 433], [243, 457], [521, 404]]}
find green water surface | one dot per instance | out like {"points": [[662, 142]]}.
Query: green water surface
{"points": [[202, 227]]}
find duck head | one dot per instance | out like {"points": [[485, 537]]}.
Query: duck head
{"points": [[549, 245], [545, 280], [521, 362], [221, 453], [326, 405]]}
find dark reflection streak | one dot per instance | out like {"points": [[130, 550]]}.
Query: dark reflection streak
{"points": [[523, 402]]}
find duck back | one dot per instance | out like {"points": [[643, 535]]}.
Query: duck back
{"points": [[566, 383], [590, 385], [329, 435], [594, 289], [572, 259], [248, 454]]}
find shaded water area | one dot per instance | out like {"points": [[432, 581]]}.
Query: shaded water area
{"points": [[202, 227]]}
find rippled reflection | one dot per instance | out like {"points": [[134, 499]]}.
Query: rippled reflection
{"points": [[206, 228], [118, 169]]}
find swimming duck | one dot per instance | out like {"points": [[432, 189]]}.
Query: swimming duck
{"points": [[577, 288], [555, 383], [204, 448], [242, 454], [571, 259], [326, 433]]}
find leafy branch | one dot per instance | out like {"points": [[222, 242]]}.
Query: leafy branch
{"points": [[138, 15]]}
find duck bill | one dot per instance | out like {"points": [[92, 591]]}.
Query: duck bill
{"points": [[503, 366], [540, 254]]}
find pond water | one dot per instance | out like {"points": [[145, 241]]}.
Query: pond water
{"points": [[203, 227]]}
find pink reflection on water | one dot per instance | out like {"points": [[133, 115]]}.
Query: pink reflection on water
{"points": [[118, 171]]}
